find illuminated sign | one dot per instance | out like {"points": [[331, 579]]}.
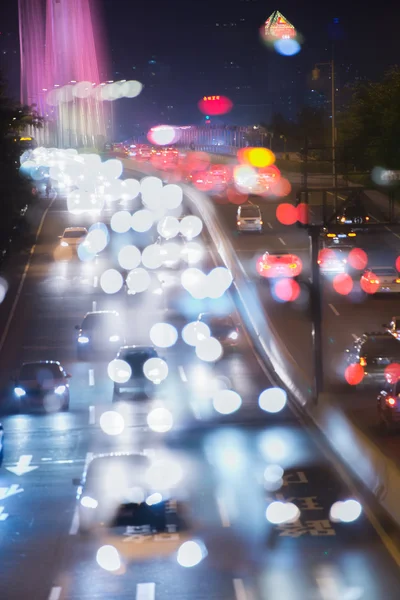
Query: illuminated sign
{"points": [[278, 27], [215, 105], [25, 139]]}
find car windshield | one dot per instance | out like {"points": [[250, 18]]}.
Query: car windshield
{"points": [[74, 234], [249, 211], [40, 372], [101, 321]]}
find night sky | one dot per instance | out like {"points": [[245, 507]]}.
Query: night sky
{"points": [[176, 49]]}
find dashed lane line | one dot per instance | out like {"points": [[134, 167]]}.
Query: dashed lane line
{"points": [[282, 241], [91, 377], [94, 305], [223, 512], [182, 374], [73, 530], [146, 591], [92, 415], [55, 593], [354, 336], [240, 590], [270, 225], [334, 310]]}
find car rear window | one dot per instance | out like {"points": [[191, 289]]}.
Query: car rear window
{"points": [[249, 211], [74, 234], [40, 372], [136, 360], [381, 347], [109, 321]]}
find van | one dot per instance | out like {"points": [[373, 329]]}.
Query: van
{"points": [[249, 218]]}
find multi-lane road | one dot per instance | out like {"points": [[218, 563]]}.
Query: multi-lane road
{"points": [[42, 556]]}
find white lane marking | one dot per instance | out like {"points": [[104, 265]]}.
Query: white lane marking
{"points": [[240, 590], [146, 591], [94, 305], [270, 225], [372, 217], [55, 593], [223, 512], [23, 465], [91, 377], [3, 515], [92, 415], [95, 281], [24, 275], [391, 231], [282, 241], [332, 586], [354, 336], [334, 310], [73, 530], [182, 374], [6, 492]]}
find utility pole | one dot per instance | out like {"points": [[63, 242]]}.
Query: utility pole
{"points": [[314, 232]]}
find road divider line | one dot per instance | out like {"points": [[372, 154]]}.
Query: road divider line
{"points": [[92, 415], [182, 374], [24, 275], [146, 591], [240, 590], [94, 305], [95, 281], [55, 593], [223, 512], [91, 377], [282, 241], [354, 336], [391, 231], [334, 310], [270, 225], [73, 530]]}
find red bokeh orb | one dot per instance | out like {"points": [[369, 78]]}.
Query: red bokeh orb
{"points": [[215, 105], [286, 214], [392, 373], [197, 161], [398, 264], [281, 188], [354, 374], [326, 254], [235, 197], [287, 290], [357, 258], [343, 284], [202, 181], [303, 213], [369, 282]]}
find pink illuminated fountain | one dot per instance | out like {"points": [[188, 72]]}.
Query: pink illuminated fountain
{"points": [[60, 57]]}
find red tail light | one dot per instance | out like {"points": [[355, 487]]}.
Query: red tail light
{"points": [[391, 401]]}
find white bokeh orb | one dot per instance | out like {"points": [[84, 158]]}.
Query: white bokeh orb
{"points": [[272, 400], [163, 335], [194, 332], [156, 370], [172, 196], [194, 281], [112, 169], [170, 254], [192, 253], [112, 422], [121, 221], [278, 513], [119, 371], [209, 350], [131, 189], [168, 227], [129, 257], [96, 240], [191, 226], [151, 256], [190, 554], [111, 281], [107, 557], [218, 281], [142, 220], [160, 420], [138, 280], [226, 402]]}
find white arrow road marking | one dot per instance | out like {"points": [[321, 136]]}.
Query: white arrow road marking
{"points": [[22, 467], [55, 593], [10, 491], [3, 515]]}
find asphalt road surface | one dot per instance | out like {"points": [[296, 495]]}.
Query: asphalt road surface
{"points": [[42, 555]]}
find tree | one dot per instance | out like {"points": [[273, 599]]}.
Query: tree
{"points": [[370, 129]]}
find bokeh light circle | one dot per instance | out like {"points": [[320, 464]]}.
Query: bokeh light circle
{"points": [[194, 332], [261, 157], [112, 423], [286, 214], [129, 257], [272, 400], [392, 372], [163, 335], [209, 350], [160, 420], [138, 280], [111, 281], [286, 290], [156, 370], [357, 259], [119, 371], [342, 284], [354, 374], [142, 220], [226, 402]]}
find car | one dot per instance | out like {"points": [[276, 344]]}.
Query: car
{"points": [[1, 443], [249, 218], [389, 405], [223, 328], [374, 351], [118, 489], [138, 383], [338, 238], [43, 383], [353, 214], [333, 259], [276, 266], [101, 331], [394, 327], [72, 237], [381, 280]]}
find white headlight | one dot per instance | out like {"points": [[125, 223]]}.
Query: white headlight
{"points": [[89, 502], [83, 339], [18, 391], [64, 244], [60, 389], [114, 338], [234, 335]]}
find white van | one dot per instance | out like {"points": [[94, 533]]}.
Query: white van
{"points": [[249, 218]]}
